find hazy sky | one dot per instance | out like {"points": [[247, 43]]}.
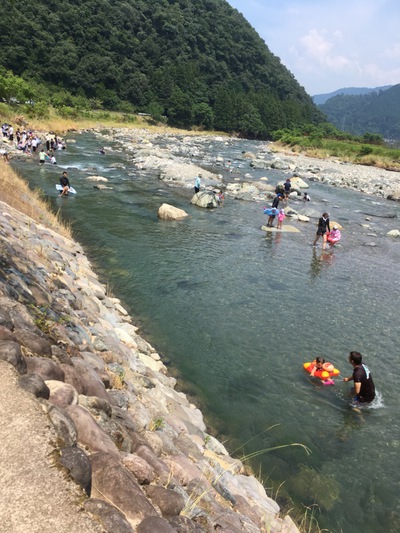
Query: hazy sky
{"points": [[330, 44]]}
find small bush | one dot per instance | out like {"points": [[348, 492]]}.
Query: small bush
{"points": [[68, 112], [365, 150]]}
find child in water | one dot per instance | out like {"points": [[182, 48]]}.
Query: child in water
{"points": [[320, 364], [281, 218], [334, 236]]}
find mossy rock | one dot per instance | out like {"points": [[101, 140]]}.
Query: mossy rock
{"points": [[311, 487]]}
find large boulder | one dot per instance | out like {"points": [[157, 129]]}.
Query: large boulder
{"points": [[155, 524], [79, 467], [36, 344], [61, 394], [112, 482], [45, 368], [35, 384], [90, 435], [10, 352], [298, 183], [206, 199], [169, 212], [109, 516], [168, 501]]}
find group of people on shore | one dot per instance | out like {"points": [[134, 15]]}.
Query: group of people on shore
{"points": [[29, 143]]}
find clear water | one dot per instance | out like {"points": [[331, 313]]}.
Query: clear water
{"points": [[238, 311]]}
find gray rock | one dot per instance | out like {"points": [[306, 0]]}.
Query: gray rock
{"points": [[155, 524], [169, 212], [77, 463], [109, 516], [112, 481], [6, 333], [72, 377], [114, 430], [168, 501], [139, 467], [45, 368], [35, 384], [206, 199], [92, 383], [158, 466], [5, 319], [120, 398], [62, 394], [63, 424], [90, 435], [183, 524], [11, 353], [36, 344], [93, 403]]}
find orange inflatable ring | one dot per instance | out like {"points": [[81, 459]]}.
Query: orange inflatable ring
{"points": [[328, 371]]}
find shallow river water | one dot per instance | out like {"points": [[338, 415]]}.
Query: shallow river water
{"points": [[238, 311]]}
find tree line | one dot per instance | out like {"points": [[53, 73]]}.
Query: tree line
{"points": [[192, 63], [377, 112]]}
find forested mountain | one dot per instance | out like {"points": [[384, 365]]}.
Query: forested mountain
{"points": [[376, 112], [199, 62], [320, 99]]}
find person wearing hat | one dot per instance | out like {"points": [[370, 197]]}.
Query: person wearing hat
{"points": [[334, 236], [197, 184]]}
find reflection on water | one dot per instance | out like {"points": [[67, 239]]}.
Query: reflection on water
{"points": [[320, 261], [238, 311]]}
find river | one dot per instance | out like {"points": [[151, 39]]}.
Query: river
{"points": [[238, 311]]}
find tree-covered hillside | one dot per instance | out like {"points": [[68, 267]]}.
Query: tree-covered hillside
{"points": [[198, 62], [377, 112], [320, 99]]}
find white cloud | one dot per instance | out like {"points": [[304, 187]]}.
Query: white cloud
{"points": [[331, 44], [317, 47], [392, 52]]}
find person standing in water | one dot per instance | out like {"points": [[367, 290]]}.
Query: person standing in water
{"points": [[197, 184], [275, 206], [364, 387], [323, 227], [281, 218]]}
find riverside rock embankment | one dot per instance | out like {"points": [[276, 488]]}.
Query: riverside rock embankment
{"points": [[94, 435]]}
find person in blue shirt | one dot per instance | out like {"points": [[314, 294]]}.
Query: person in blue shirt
{"points": [[197, 184]]}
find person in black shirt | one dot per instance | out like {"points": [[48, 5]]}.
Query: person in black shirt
{"points": [[323, 227], [275, 203], [64, 182], [288, 187], [364, 387]]}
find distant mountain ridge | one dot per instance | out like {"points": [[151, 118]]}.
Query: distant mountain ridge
{"points": [[320, 99], [377, 111]]}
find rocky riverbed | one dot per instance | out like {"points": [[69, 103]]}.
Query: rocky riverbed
{"points": [[181, 158], [111, 419]]}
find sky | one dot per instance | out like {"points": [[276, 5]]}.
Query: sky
{"points": [[328, 45]]}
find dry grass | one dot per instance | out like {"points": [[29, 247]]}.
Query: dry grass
{"points": [[60, 125], [16, 193]]}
